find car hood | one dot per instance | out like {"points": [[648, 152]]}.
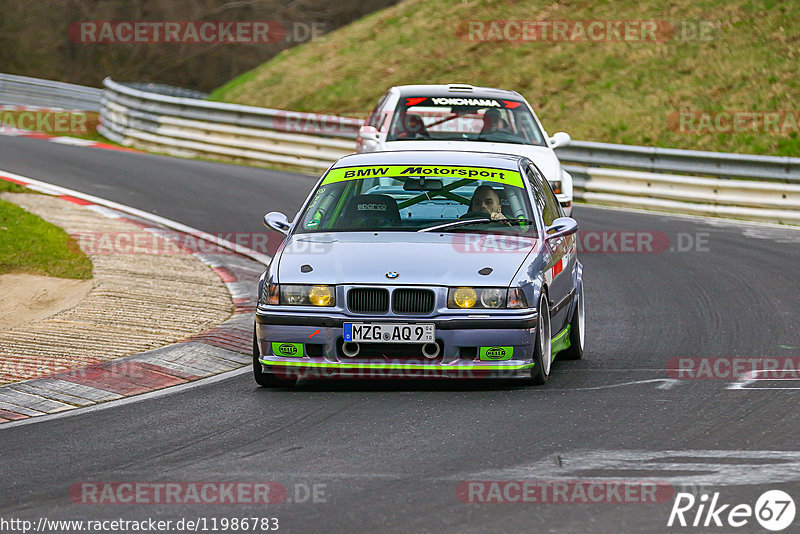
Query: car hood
{"points": [[544, 157], [429, 258]]}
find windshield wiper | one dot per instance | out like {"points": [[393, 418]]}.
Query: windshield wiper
{"points": [[482, 220]]}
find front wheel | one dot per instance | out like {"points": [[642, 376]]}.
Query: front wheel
{"points": [[542, 357], [265, 378], [576, 332]]}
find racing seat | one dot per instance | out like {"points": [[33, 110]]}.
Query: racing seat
{"points": [[370, 211]]}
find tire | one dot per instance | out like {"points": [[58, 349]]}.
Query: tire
{"points": [[542, 356], [265, 379], [577, 332]]}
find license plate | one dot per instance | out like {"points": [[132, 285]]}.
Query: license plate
{"points": [[389, 333]]}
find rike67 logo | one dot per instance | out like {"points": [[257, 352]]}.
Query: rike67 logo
{"points": [[774, 510]]}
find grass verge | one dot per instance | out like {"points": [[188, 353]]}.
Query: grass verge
{"points": [[723, 56], [29, 244]]}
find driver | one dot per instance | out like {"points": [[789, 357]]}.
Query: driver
{"points": [[492, 121], [485, 199]]}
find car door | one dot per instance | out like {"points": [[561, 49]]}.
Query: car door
{"points": [[561, 262]]}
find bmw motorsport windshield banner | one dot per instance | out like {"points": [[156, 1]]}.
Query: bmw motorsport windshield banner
{"points": [[500, 176]]}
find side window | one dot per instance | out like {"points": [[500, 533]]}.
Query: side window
{"points": [[377, 118], [546, 203], [551, 200]]}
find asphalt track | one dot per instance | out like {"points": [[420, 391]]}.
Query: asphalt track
{"points": [[389, 456]]}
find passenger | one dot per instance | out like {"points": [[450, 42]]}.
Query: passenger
{"points": [[492, 121]]}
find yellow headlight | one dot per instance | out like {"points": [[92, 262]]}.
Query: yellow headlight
{"points": [[321, 296], [465, 297]]}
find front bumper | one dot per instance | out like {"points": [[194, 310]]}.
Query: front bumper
{"points": [[319, 340]]}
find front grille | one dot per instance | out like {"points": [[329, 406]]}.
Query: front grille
{"points": [[368, 300], [413, 301]]}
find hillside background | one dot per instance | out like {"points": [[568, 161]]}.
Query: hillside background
{"points": [[619, 92], [34, 39]]}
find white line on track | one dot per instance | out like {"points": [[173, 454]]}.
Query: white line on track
{"points": [[128, 400], [48, 188], [664, 383]]}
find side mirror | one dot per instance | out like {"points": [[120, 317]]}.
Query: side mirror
{"points": [[560, 139], [368, 133], [368, 138], [277, 221], [561, 227]]}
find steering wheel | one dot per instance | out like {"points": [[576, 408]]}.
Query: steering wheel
{"points": [[475, 215], [413, 135], [498, 131]]}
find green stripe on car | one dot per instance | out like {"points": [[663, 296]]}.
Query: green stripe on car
{"points": [[560, 342], [400, 366]]}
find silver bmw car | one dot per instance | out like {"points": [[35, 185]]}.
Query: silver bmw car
{"points": [[421, 264]]}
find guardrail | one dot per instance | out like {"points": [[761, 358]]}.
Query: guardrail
{"points": [[655, 159], [762, 188], [740, 186], [764, 201], [24, 91], [191, 127]]}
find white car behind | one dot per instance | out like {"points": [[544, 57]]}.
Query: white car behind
{"points": [[465, 118]]}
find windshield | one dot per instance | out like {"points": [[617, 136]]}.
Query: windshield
{"points": [[410, 198], [464, 119]]}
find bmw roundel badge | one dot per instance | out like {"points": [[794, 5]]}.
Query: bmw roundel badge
{"points": [[392, 275]]}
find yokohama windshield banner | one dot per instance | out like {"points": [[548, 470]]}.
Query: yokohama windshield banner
{"points": [[457, 101]]}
